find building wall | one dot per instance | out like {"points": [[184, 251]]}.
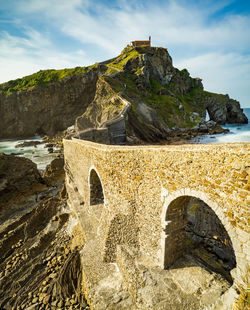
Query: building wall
{"points": [[140, 182], [141, 43]]}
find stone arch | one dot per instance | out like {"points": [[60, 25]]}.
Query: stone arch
{"points": [[96, 195], [190, 218]]}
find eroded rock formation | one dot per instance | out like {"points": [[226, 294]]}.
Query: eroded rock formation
{"points": [[40, 262], [46, 109], [161, 98]]}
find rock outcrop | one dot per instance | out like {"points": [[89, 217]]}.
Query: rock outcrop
{"points": [[40, 264], [106, 105], [19, 177], [161, 98], [165, 103], [149, 63], [54, 172], [46, 110], [221, 108]]}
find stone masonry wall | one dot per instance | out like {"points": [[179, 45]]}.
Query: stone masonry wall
{"points": [[140, 182]]}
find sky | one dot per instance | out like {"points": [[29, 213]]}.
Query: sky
{"points": [[211, 38]]}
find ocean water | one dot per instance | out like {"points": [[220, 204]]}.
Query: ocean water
{"points": [[38, 154], [238, 133]]}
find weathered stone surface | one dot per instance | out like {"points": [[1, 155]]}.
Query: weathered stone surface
{"points": [[61, 103], [156, 63], [141, 76], [18, 173], [37, 263], [105, 106], [139, 185], [54, 172], [19, 177], [223, 109]]}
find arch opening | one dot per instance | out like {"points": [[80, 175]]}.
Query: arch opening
{"points": [[207, 116], [96, 190], [192, 227]]}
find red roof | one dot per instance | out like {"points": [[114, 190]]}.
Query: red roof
{"points": [[141, 41]]}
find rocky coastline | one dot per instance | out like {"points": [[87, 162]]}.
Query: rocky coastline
{"points": [[40, 266], [39, 260], [160, 100]]}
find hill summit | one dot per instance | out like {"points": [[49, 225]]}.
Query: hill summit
{"points": [[141, 85]]}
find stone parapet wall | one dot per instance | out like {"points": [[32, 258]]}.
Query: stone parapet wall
{"points": [[98, 135], [139, 183]]}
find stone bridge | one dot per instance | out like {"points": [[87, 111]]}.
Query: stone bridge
{"points": [[141, 208]]}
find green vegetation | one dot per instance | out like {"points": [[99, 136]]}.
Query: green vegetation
{"points": [[155, 85], [139, 71], [243, 301], [111, 70], [116, 106], [114, 84], [42, 78], [168, 107], [121, 60], [203, 93], [184, 72]]}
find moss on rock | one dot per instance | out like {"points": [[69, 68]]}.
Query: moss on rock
{"points": [[41, 78], [140, 75]]}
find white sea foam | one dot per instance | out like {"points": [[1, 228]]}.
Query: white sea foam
{"points": [[38, 154], [238, 133]]}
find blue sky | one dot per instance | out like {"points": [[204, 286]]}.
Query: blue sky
{"points": [[210, 38]]}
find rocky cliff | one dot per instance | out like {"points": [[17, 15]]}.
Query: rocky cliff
{"points": [[162, 99], [40, 262], [44, 107]]}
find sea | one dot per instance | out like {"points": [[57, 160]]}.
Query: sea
{"points": [[237, 133], [40, 155]]}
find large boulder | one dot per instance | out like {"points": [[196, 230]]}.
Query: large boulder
{"points": [[235, 113], [20, 184], [54, 172], [153, 62], [17, 174], [222, 109]]}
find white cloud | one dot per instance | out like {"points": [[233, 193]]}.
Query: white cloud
{"points": [[50, 7], [222, 73], [21, 56], [172, 22]]}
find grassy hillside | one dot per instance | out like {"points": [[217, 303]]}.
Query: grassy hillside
{"points": [[41, 78]]}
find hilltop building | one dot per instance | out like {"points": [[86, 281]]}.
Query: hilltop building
{"points": [[141, 42]]}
